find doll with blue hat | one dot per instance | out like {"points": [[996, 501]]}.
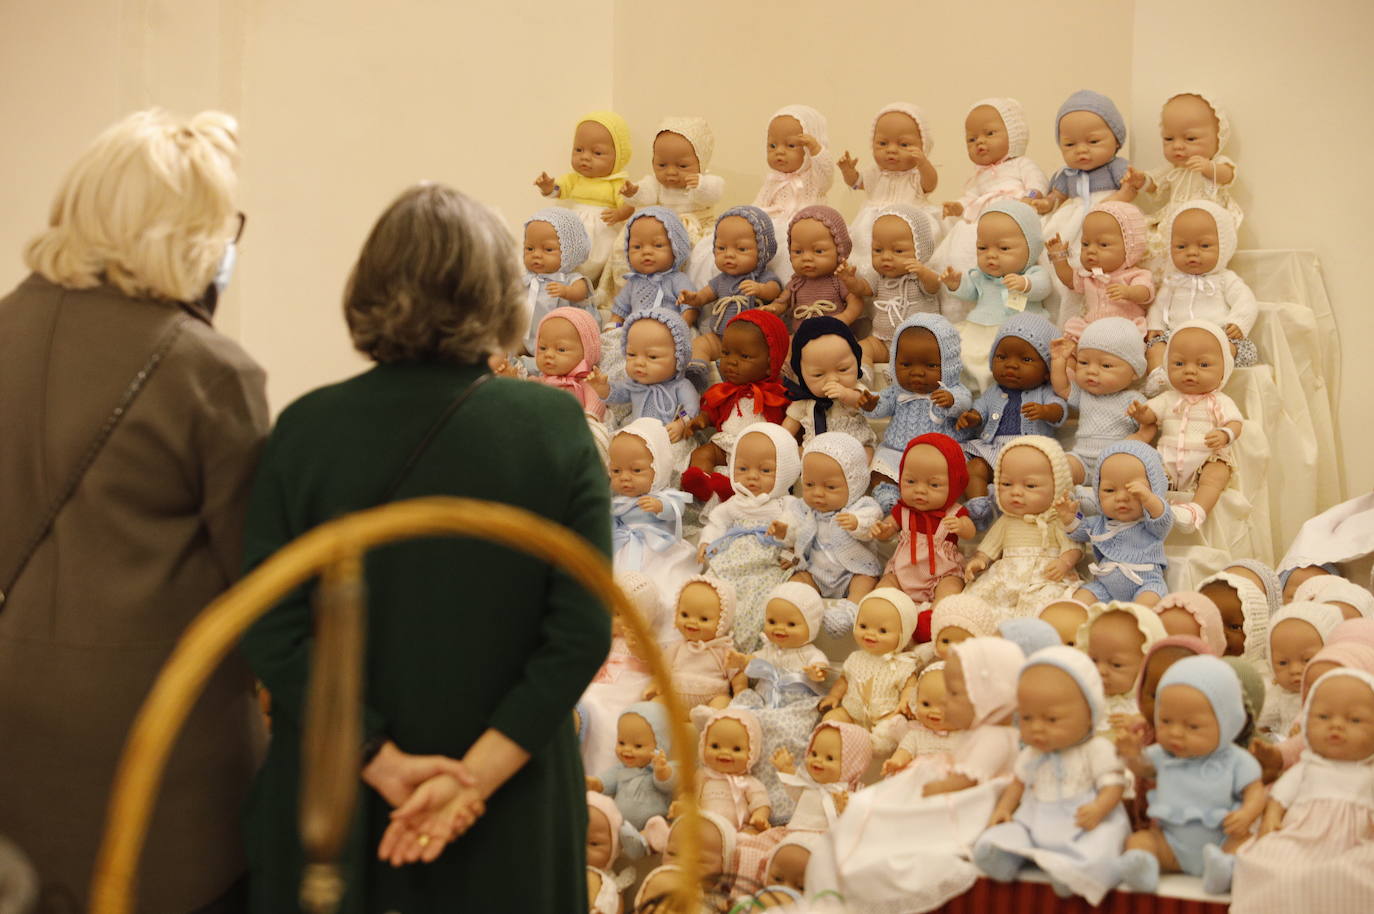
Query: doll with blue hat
{"points": [[555, 245], [657, 248], [657, 347], [1095, 376], [743, 244], [826, 389], [643, 779]]}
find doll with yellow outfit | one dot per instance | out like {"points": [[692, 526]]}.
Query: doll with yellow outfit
{"points": [[592, 190], [869, 689], [800, 170]]}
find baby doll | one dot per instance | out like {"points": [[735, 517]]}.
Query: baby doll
{"points": [[624, 675], [1065, 616], [1021, 402], [1116, 637], [657, 350], [592, 190], [643, 779], [1062, 810], [1028, 557], [730, 745], [1005, 281], [785, 870], [1241, 593], [646, 515], [957, 619], [800, 169], [605, 831], [657, 249], [1188, 612], [823, 282], [901, 243], [1208, 791], [680, 180], [1109, 277], [735, 544], [827, 529], [1090, 132], [1314, 850], [1127, 538], [752, 352], [555, 245], [837, 757], [1341, 650], [1030, 635], [901, 173], [929, 733], [1163, 654], [792, 620], [1354, 601], [566, 350], [1096, 378], [659, 892], [705, 668], [1196, 422], [927, 564], [743, 245], [1294, 576], [926, 394], [1198, 286], [868, 691], [1296, 633], [716, 842], [827, 393]]}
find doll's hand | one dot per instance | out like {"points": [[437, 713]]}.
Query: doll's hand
{"points": [[1066, 507], [778, 530], [812, 144], [594, 785], [692, 181], [847, 521], [899, 760], [677, 430], [1139, 489], [1016, 282], [614, 214], [1056, 570], [1237, 823], [884, 529], [701, 555], [942, 398], [629, 189], [776, 306], [651, 693], [650, 504], [849, 396], [1116, 291], [949, 524], [750, 287], [662, 770], [544, 183], [976, 566], [1199, 163], [816, 672], [1036, 411], [850, 277], [1233, 332], [953, 208], [1141, 413], [848, 166], [841, 801], [1128, 744], [1216, 439], [1063, 349], [972, 417], [1270, 758], [598, 382], [1000, 815], [691, 298], [1134, 179], [1040, 204], [675, 809], [788, 560], [758, 821], [782, 760], [1056, 244], [734, 660], [1090, 814], [951, 278]]}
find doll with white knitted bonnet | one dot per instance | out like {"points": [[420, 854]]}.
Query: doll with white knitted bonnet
{"points": [[1247, 594], [704, 665], [1096, 376], [800, 170], [868, 691], [646, 512], [624, 675], [1109, 274], [1296, 633], [1354, 601], [900, 242], [592, 190], [554, 246], [1116, 637], [793, 617]]}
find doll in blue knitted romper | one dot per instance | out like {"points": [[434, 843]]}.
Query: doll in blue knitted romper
{"points": [[657, 247], [555, 245], [744, 244], [1127, 538], [1020, 402], [1095, 377], [925, 395], [643, 779]]}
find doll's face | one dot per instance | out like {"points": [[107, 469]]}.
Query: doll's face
{"points": [[593, 152], [698, 611], [650, 353], [756, 463], [1085, 141], [1054, 714], [651, 251], [958, 707], [1188, 127], [1340, 725], [727, 747], [1017, 365], [824, 487], [930, 700], [893, 246], [1025, 484], [1314, 671], [711, 846], [784, 625], [1298, 577], [1116, 472], [925, 479], [631, 465], [919, 363], [1195, 362], [744, 357], [878, 629], [785, 152], [658, 892], [1178, 621], [1116, 646], [598, 839], [1103, 246], [1155, 668], [674, 159], [1232, 615], [635, 743], [737, 250], [1002, 246], [828, 358], [812, 249], [823, 756], [1195, 245], [788, 867], [543, 253], [558, 347], [1065, 618], [1185, 724], [1292, 643], [896, 142], [1101, 373], [985, 135], [947, 637]]}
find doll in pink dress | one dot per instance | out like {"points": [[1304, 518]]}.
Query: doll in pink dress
{"points": [[1111, 279], [705, 667]]}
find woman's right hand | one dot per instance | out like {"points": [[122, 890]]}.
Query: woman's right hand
{"points": [[395, 774], [437, 813]]}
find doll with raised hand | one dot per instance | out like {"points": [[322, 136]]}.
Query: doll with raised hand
{"points": [[642, 780], [592, 190], [1021, 401], [1208, 792], [1062, 810], [1116, 637], [800, 168], [1196, 422], [901, 172], [900, 245], [868, 691], [752, 353], [930, 733], [1296, 634], [837, 757], [1095, 376], [828, 529], [827, 394], [554, 246], [646, 513], [731, 742], [657, 347], [1109, 275], [657, 248], [823, 281], [705, 667], [743, 245], [1090, 132]]}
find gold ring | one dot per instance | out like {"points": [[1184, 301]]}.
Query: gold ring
{"points": [[424, 840]]}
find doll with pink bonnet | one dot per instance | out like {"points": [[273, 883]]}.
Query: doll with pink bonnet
{"points": [[823, 282], [566, 351], [837, 757], [731, 743], [1109, 275], [800, 171], [704, 666], [609, 838], [1187, 612]]}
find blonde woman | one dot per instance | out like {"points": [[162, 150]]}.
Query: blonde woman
{"points": [[124, 282]]}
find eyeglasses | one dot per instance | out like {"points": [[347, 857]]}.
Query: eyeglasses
{"points": [[243, 220]]}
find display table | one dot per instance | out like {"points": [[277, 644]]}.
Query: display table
{"points": [[1033, 895]]}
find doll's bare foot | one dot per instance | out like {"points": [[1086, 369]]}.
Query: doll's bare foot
{"points": [[979, 475], [1076, 470], [875, 350]]}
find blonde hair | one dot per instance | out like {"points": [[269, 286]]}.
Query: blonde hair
{"points": [[149, 207], [437, 280]]}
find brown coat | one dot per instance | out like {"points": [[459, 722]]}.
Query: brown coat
{"points": [[150, 537]]}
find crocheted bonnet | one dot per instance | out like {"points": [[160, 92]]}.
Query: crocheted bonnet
{"points": [[1033, 328], [677, 232], [1226, 231], [655, 438], [856, 750], [807, 601], [573, 243], [606, 806], [1116, 336], [764, 237], [587, 332], [1063, 478], [1338, 673], [1228, 360], [832, 220], [694, 130], [677, 328], [922, 234], [916, 114], [906, 610], [620, 136], [1149, 458], [1223, 121], [812, 123], [725, 595], [644, 596], [774, 334], [990, 667], [1081, 670], [951, 365], [1255, 609], [845, 450], [1328, 588], [1014, 118], [1094, 103], [973, 614], [1131, 221], [1210, 627], [1146, 622], [788, 457], [1321, 616], [1027, 219], [954, 459], [1218, 683], [751, 726]]}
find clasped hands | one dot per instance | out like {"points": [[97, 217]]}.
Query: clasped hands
{"points": [[434, 800]]}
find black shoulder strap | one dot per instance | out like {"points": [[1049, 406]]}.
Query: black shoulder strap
{"points": [[430, 435]]}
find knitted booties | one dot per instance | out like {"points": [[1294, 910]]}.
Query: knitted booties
{"points": [[696, 482], [720, 485], [1156, 382], [655, 834], [838, 620], [1217, 866], [886, 494], [1188, 516], [1139, 870], [998, 864]]}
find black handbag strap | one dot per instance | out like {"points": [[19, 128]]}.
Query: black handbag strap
{"points": [[433, 433], [164, 345]]}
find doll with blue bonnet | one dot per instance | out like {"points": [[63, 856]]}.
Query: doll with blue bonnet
{"points": [[1062, 810], [827, 393], [657, 347], [592, 190], [823, 282], [902, 241], [1208, 791], [743, 245], [555, 245], [1095, 377], [657, 248], [643, 779], [901, 174], [646, 513]]}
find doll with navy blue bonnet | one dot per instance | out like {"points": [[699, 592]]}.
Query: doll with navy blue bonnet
{"points": [[826, 390]]}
